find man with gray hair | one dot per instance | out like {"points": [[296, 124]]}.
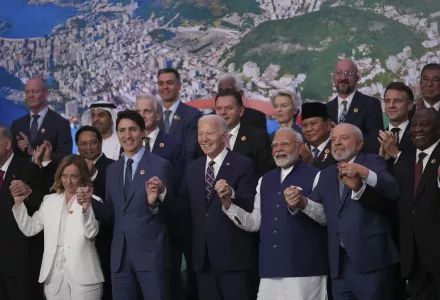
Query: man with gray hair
{"points": [[284, 275], [222, 252], [251, 117], [347, 197], [20, 256]]}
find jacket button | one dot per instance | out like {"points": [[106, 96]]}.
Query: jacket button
{"points": [[206, 214], [413, 211], [274, 246], [274, 231], [279, 193], [276, 219], [278, 205]]}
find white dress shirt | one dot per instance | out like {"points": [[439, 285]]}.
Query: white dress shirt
{"points": [[402, 128], [153, 136], [42, 115], [320, 147], [5, 166], [111, 147], [173, 109], [349, 99], [233, 135], [436, 106]]}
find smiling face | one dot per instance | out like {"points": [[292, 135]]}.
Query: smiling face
{"points": [[316, 130], [71, 178], [346, 143], [227, 108], [168, 87], [345, 77], [425, 128], [285, 149], [102, 120], [211, 137], [130, 136], [397, 105]]}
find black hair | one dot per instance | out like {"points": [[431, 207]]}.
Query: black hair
{"points": [[400, 86], [169, 70], [88, 128], [131, 115], [230, 92]]}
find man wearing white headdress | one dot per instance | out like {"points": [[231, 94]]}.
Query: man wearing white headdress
{"points": [[102, 115]]}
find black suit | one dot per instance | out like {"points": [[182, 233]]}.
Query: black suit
{"points": [[365, 112], [254, 118], [20, 256], [255, 144], [54, 129], [419, 223], [325, 157]]}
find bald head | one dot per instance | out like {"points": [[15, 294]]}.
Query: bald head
{"points": [[347, 142], [36, 94], [345, 77], [212, 131]]}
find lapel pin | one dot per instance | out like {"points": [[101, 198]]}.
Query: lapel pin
{"points": [[176, 117], [161, 145], [356, 110], [142, 172], [228, 164], [43, 130], [325, 156], [327, 151], [433, 161], [243, 138], [70, 212]]}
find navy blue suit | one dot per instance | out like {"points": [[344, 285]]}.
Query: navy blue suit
{"points": [[54, 129], [222, 252], [184, 128], [140, 238], [367, 267]]}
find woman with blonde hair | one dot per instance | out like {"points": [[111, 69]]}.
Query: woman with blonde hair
{"points": [[70, 269], [287, 107]]}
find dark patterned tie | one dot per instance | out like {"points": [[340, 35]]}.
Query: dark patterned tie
{"points": [[209, 180], [167, 120], [147, 143], [419, 171], [34, 128], [315, 153], [396, 131], [1, 178], [128, 177], [344, 112], [341, 189]]}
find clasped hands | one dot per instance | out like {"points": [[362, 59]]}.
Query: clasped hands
{"points": [[224, 191], [84, 196], [19, 191], [154, 187], [353, 175]]}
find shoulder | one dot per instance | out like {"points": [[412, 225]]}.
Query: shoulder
{"points": [[239, 159], [332, 102], [306, 167], [20, 120], [254, 112], [191, 111], [48, 199], [253, 131], [24, 163], [57, 117], [169, 139], [366, 98]]}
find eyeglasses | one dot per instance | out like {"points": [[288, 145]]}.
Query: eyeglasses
{"points": [[346, 73], [427, 80], [92, 143], [27, 92]]}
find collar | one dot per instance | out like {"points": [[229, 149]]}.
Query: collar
{"points": [[348, 99], [173, 108], [95, 160], [153, 135], [428, 150], [436, 106], [219, 159], [285, 172], [137, 157], [352, 160], [321, 146], [41, 113], [401, 126], [234, 131], [5, 166]]}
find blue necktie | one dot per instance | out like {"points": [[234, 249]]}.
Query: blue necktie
{"points": [[128, 178], [344, 112], [315, 153], [34, 128]]}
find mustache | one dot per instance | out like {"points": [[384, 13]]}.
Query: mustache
{"points": [[344, 81]]}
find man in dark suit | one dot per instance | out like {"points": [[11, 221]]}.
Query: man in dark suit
{"points": [[418, 175], [222, 252], [362, 251], [179, 120], [316, 130], [251, 117], [246, 140], [173, 150], [351, 106], [20, 256], [136, 199], [41, 124], [429, 89]]}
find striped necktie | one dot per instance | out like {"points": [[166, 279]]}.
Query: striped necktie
{"points": [[209, 180]]}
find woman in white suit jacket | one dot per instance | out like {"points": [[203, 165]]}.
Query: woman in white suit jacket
{"points": [[70, 269]]}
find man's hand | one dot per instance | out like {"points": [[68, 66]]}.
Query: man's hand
{"points": [[24, 144], [19, 191], [352, 174], [39, 154], [91, 167], [224, 191], [306, 154], [154, 187], [294, 198], [84, 196], [389, 143], [48, 151], [383, 153]]}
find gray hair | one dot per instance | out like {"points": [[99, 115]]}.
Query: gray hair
{"points": [[297, 135], [157, 106], [41, 79], [296, 102], [220, 121], [237, 80], [5, 133]]}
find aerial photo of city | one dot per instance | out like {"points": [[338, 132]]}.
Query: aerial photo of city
{"points": [[90, 50]]}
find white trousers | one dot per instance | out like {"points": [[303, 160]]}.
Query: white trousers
{"points": [[60, 285], [297, 288]]}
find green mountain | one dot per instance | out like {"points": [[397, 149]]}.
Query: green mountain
{"points": [[312, 42]]}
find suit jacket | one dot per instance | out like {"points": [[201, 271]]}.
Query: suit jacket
{"points": [[99, 183], [214, 235], [325, 158], [184, 128], [255, 144], [365, 233], [419, 214], [254, 118], [81, 229], [19, 254], [135, 223], [365, 112], [54, 129], [406, 144]]}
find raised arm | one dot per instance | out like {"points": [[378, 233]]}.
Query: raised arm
{"points": [[30, 226]]}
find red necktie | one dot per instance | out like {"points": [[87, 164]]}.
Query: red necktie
{"points": [[1, 178], [419, 170]]}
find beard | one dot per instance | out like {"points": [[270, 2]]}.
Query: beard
{"points": [[286, 162], [345, 91], [345, 155]]}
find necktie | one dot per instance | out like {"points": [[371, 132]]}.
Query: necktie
{"points": [[315, 153], [344, 112], [396, 131], [147, 143], [341, 189], [228, 141], [128, 177], [419, 170], [34, 128], [167, 121], [209, 180], [1, 178]]}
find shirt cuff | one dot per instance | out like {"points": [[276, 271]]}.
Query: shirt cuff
{"points": [[45, 163], [371, 179], [293, 212], [161, 197], [94, 175], [398, 155], [357, 195], [231, 211]]}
